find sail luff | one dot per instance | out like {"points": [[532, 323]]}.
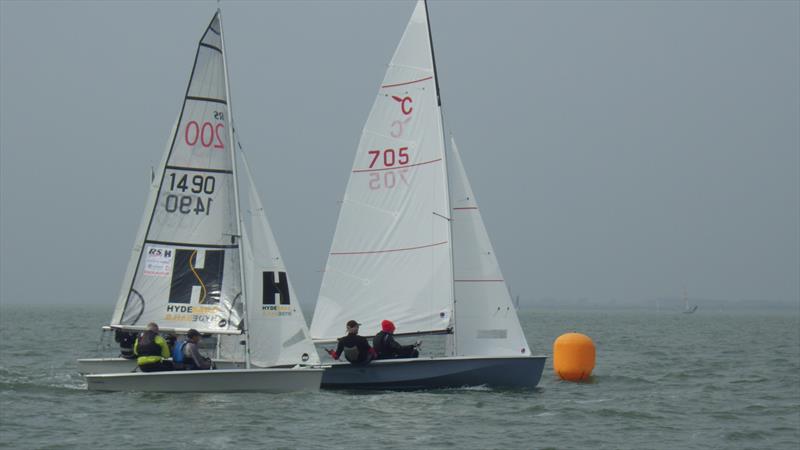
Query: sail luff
{"points": [[440, 117], [235, 191], [433, 56]]}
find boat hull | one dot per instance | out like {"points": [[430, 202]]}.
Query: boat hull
{"points": [[232, 380], [435, 373], [89, 366]]}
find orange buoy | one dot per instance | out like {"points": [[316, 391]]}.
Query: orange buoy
{"points": [[573, 356]]}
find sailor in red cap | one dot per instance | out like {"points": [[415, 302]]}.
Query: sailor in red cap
{"points": [[388, 348]]}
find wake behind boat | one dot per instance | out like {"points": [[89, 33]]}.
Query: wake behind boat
{"points": [[201, 263], [411, 247]]}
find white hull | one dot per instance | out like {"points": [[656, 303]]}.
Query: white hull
{"points": [[89, 366], [434, 373], [303, 379]]}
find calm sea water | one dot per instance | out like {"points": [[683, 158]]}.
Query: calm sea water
{"points": [[663, 380]]}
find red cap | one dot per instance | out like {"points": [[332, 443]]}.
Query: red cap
{"points": [[387, 326]]}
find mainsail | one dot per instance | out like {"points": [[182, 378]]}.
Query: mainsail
{"points": [[391, 255], [185, 268], [485, 317]]}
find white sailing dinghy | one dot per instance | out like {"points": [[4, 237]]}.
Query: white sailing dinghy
{"points": [[200, 262], [410, 246]]}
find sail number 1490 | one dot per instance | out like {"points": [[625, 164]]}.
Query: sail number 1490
{"points": [[186, 203]]}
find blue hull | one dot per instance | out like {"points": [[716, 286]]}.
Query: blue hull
{"points": [[437, 373]]}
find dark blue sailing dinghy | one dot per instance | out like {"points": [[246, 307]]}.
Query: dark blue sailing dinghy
{"points": [[410, 246]]}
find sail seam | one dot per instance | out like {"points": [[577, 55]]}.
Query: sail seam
{"points": [[407, 82], [203, 44], [199, 169], [398, 167], [389, 250], [478, 281], [206, 99], [190, 244], [466, 207]]}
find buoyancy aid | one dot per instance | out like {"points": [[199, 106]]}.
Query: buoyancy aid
{"points": [[351, 354], [147, 344], [177, 352], [125, 341], [382, 343]]}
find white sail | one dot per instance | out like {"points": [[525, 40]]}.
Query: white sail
{"points": [[390, 257], [185, 271], [486, 321], [277, 329]]}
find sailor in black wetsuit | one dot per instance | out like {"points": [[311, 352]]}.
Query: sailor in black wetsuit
{"points": [[388, 348], [355, 348]]}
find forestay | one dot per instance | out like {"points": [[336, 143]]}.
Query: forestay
{"points": [[185, 271], [390, 257], [486, 320]]}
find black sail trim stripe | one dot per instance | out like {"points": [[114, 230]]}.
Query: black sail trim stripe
{"points": [[199, 169], [206, 99], [213, 47], [190, 244]]}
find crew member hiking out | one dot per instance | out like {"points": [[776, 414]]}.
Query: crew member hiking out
{"points": [[152, 350], [355, 348], [388, 348]]}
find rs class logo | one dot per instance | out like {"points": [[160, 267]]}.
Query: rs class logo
{"points": [[162, 252], [197, 277]]}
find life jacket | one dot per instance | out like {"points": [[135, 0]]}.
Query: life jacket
{"points": [[147, 344], [381, 343], [351, 354], [177, 352], [125, 341]]}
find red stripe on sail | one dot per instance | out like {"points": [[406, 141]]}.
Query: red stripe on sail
{"points": [[397, 167], [407, 82]]}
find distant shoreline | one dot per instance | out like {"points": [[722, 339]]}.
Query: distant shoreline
{"points": [[665, 306]]}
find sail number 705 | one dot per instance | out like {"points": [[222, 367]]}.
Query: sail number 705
{"points": [[390, 158]]}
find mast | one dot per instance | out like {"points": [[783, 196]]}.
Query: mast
{"points": [[238, 236], [449, 212], [433, 59]]}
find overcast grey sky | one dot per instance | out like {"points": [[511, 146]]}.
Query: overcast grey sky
{"points": [[619, 150]]}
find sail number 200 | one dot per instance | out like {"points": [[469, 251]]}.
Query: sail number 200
{"points": [[206, 134]]}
